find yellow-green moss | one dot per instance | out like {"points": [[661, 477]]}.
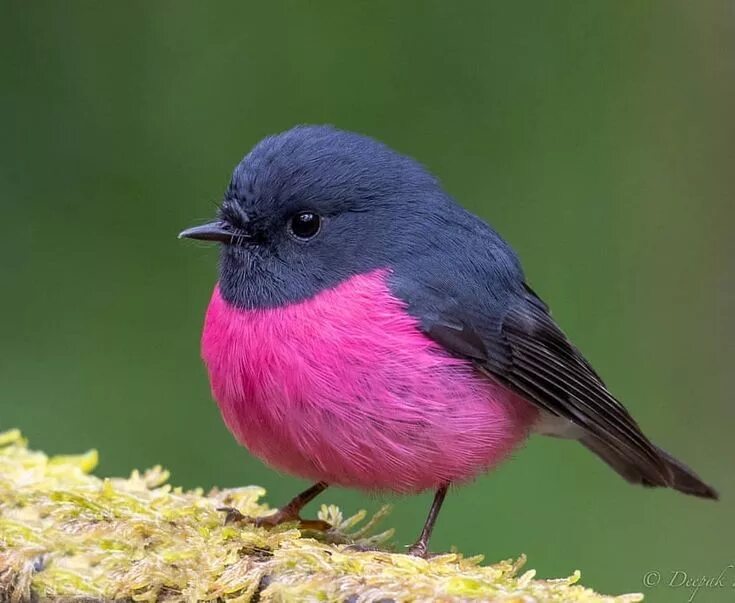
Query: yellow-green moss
{"points": [[66, 534]]}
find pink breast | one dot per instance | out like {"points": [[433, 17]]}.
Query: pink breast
{"points": [[344, 388]]}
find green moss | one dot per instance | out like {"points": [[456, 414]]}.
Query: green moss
{"points": [[66, 534]]}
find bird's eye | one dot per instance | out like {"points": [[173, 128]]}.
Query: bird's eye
{"points": [[305, 225]]}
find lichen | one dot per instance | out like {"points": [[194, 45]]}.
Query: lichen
{"points": [[68, 535]]}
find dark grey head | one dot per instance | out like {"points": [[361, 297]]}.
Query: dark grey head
{"points": [[313, 206]]}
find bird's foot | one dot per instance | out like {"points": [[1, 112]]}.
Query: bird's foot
{"points": [[232, 515], [419, 549], [362, 548], [284, 515]]}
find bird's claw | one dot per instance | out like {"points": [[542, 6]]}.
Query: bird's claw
{"points": [[361, 548], [232, 515], [418, 549]]}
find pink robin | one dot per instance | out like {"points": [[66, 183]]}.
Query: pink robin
{"points": [[369, 332]]}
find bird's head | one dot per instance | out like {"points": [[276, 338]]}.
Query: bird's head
{"points": [[313, 206]]}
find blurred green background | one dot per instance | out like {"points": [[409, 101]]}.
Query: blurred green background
{"points": [[598, 137]]}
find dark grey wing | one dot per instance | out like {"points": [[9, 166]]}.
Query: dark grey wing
{"points": [[526, 351], [550, 371], [466, 287]]}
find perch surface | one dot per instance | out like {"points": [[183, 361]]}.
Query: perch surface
{"points": [[67, 535]]}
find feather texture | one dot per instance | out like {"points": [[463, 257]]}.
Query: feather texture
{"points": [[345, 388]]}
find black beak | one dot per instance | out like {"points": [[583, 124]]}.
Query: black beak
{"points": [[214, 231]]}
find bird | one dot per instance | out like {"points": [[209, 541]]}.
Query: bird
{"points": [[366, 331]]}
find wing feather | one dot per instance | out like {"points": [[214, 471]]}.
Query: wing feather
{"points": [[547, 366], [528, 353]]}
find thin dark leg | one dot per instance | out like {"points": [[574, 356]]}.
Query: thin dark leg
{"points": [[421, 547], [289, 512], [299, 501]]}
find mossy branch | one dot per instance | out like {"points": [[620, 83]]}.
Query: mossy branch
{"points": [[68, 535]]}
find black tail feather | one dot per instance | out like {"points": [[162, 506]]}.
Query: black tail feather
{"points": [[680, 477]]}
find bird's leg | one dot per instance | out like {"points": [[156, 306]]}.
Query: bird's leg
{"points": [[289, 512], [421, 547]]}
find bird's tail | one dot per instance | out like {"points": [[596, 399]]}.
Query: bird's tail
{"points": [[680, 478]]}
